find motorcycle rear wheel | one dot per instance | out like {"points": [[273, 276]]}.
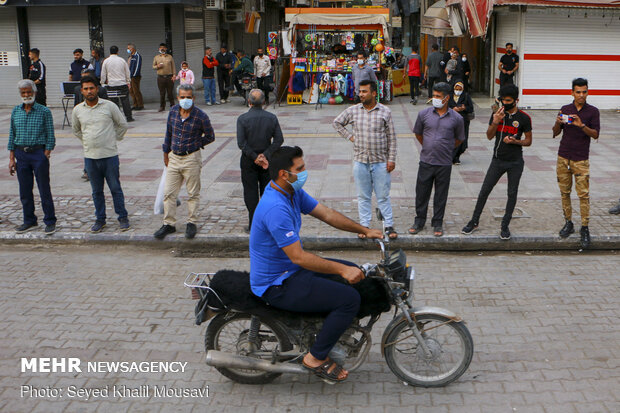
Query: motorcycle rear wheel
{"points": [[229, 333], [450, 344]]}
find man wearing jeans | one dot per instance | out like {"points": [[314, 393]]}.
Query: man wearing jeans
{"points": [[374, 146], [31, 141], [209, 63], [99, 124], [508, 125]]}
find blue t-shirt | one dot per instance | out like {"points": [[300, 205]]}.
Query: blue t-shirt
{"points": [[275, 225]]}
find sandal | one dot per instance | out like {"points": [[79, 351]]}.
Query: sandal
{"points": [[391, 232], [323, 372], [415, 229]]}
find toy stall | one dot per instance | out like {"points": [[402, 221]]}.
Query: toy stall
{"points": [[324, 43]]}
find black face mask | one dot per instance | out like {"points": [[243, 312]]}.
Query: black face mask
{"points": [[509, 106], [260, 55]]}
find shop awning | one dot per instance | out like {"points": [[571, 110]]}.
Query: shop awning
{"points": [[436, 21], [331, 18], [560, 3], [473, 14], [31, 3]]}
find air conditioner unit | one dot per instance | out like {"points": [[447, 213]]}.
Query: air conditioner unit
{"points": [[233, 16], [214, 4], [303, 2]]}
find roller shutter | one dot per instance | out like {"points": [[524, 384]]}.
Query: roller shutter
{"points": [[10, 65], [194, 41]]}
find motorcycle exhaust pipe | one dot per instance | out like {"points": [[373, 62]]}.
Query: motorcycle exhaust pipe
{"points": [[234, 361]]}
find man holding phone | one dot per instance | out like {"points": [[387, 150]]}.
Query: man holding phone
{"points": [[579, 123], [512, 130]]}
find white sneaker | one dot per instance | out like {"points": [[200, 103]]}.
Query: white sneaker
{"points": [[208, 103], [217, 103], [223, 101]]}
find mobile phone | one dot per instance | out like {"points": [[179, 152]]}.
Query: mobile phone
{"points": [[568, 119]]}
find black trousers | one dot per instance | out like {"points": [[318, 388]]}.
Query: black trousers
{"points": [[429, 176], [429, 84], [414, 86], [254, 179], [263, 84], [505, 79], [124, 90], [223, 83], [41, 96], [497, 168], [166, 86], [459, 150], [31, 166]]}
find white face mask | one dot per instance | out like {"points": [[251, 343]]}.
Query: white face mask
{"points": [[458, 92], [464, 59], [28, 100], [360, 62], [437, 103], [128, 51]]}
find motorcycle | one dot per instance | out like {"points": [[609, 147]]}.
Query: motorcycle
{"points": [[247, 83], [255, 343]]}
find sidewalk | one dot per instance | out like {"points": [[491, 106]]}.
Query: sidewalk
{"points": [[328, 159]]}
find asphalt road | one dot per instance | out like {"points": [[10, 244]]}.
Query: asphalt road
{"points": [[544, 325]]}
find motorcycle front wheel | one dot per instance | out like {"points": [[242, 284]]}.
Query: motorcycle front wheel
{"points": [[450, 344], [229, 332]]}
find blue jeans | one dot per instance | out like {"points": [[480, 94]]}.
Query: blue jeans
{"points": [[306, 291], [209, 90], [30, 166], [369, 176], [108, 169]]}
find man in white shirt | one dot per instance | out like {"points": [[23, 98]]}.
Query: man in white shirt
{"points": [[115, 74], [262, 68]]}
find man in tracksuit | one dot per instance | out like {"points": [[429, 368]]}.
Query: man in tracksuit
{"points": [[37, 74], [135, 73]]}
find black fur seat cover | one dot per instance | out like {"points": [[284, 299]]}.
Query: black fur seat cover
{"points": [[233, 287]]}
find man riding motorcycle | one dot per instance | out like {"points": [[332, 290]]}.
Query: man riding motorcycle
{"points": [[287, 277]]}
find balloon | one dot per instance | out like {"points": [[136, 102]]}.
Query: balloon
{"points": [[373, 41], [339, 99], [379, 47], [308, 38], [332, 101]]}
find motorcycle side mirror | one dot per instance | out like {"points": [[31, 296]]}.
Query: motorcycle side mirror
{"points": [[379, 215]]}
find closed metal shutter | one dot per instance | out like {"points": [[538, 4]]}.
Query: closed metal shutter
{"points": [[212, 30], [56, 32], [10, 65], [120, 27], [194, 41], [556, 41]]}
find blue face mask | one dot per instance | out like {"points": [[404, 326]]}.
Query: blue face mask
{"points": [[301, 180], [186, 103]]}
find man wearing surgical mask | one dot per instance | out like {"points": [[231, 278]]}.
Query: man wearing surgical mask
{"points": [[262, 71], [439, 130], [288, 277], [360, 71], [188, 130]]}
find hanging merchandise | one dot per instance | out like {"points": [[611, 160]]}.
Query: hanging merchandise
{"points": [[314, 96], [350, 41]]}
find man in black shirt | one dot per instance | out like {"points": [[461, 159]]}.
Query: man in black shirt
{"points": [[37, 74], [508, 65], [78, 65], [258, 136], [225, 60], [507, 126]]}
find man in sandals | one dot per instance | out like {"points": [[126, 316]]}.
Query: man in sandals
{"points": [[439, 130], [374, 148], [287, 277]]}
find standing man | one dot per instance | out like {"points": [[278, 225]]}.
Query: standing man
{"points": [[164, 64], [115, 74], [580, 123], [78, 65], [225, 60], [439, 130], [245, 67], [31, 141], [96, 61], [258, 136], [135, 72], [99, 124], [262, 70], [37, 74], [209, 63], [432, 70], [374, 149], [187, 132], [414, 62], [361, 72], [508, 125], [508, 65]]}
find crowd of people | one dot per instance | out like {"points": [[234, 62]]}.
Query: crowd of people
{"points": [[442, 130]]}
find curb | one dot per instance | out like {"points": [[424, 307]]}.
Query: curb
{"points": [[228, 243]]}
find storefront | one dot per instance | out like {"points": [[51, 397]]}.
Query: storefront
{"points": [[324, 44], [56, 28]]}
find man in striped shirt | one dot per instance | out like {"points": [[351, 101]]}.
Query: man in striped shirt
{"points": [[374, 148]]}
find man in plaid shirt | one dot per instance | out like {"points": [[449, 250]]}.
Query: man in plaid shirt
{"points": [[187, 132], [374, 147], [31, 141]]}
